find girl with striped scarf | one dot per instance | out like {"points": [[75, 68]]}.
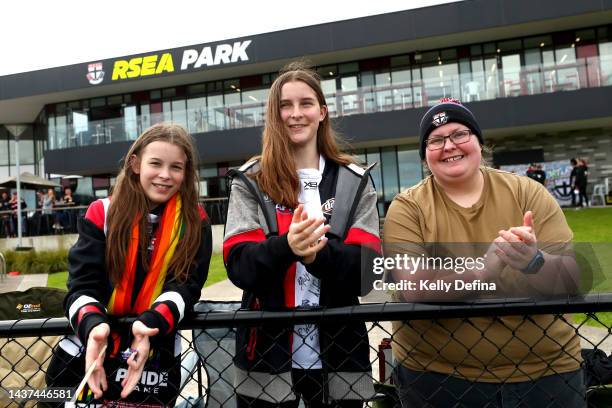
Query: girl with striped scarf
{"points": [[143, 252]]}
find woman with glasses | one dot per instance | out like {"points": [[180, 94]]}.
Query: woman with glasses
{"points": [[517, 234]]}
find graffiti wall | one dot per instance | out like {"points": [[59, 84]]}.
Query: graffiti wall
{"points": [[557, 178]]}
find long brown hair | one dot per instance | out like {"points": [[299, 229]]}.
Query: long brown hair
{"points": [[129, 203], [278, 176]]}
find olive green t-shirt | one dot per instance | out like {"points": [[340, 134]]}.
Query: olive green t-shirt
{"points": [[500, 349]]}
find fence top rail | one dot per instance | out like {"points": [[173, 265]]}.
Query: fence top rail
{"points": [[366, 312]]}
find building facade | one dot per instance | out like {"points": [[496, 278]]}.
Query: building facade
{"points": [[537, 75]]}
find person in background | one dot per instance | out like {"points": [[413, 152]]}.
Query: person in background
{"points": [[48, 202], [67, 215], [582, 182], [6, 225], [535, 172], [572, 182], [14, 206], [541, 174]]}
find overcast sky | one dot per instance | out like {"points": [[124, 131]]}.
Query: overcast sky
{"points": [[43, 34]]}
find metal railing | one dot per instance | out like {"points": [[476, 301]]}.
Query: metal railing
{"points": [[208, 339], [424, 88]]}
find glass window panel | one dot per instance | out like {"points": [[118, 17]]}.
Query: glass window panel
{"points": [[196, 114], [388, 158], [540, 41], [402, 89], [232, 108], [418, 95], [197, 89], [51, 133], [253, 106], [548, 70], [489, 48], [585, 35], [532, 71], [507, 46], [348, 100], [179, 113], [130, 118], [231, 85], [60, 132], [410, 169], [329, 90], [4, 171], [84, 187], [97, 102], [215, 113], [348, 68], [145, 117], [511, 66], [155, 94], [114, 130], [431, 56], [400, 61], [448, 54], [368, 91], [474, 88], [4, 148], [209, 171], [384, 95], [169, 93], [605, 61], [475, 50], [114, 100], [80, 124], [167, 111], [492, 82], [567, 72], [441, 81], [30, 168], [26, 151], [328, 71]]}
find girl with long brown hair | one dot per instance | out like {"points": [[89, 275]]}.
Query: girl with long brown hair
{"points": [[297, 256], [145, 252]]}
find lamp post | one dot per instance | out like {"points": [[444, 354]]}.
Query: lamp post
{"points": [[16, 131]]}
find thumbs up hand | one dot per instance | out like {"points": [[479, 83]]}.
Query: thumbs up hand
{"points": [[518, 245]]}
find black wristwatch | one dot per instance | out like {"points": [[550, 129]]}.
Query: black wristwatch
{"points": [[535, 264]]}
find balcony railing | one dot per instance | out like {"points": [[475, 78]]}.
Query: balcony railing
{"points": [[488, 84]]}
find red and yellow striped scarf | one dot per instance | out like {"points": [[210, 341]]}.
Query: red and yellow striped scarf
{"points": [[168, 234]]}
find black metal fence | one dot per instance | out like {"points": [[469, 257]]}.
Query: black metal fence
{"points": [[520, 353], [63, 219]]}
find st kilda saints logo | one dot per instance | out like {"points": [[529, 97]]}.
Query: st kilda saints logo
{"points": [[95, 74], [328, 206], [439, 119]]}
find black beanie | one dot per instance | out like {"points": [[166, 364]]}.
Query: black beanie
{"points": [[446, 111]]}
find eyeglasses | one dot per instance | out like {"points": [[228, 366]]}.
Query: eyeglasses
{"points": [[458, 137]]}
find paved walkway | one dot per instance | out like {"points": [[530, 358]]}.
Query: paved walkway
{"points": [[22, 282], [224, 290]]}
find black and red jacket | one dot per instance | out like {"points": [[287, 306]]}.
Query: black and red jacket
{"points": [[89, 289], [260, 262]]}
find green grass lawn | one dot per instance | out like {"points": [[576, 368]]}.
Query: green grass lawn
{"points": [[593, 226], [216, 273]]}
